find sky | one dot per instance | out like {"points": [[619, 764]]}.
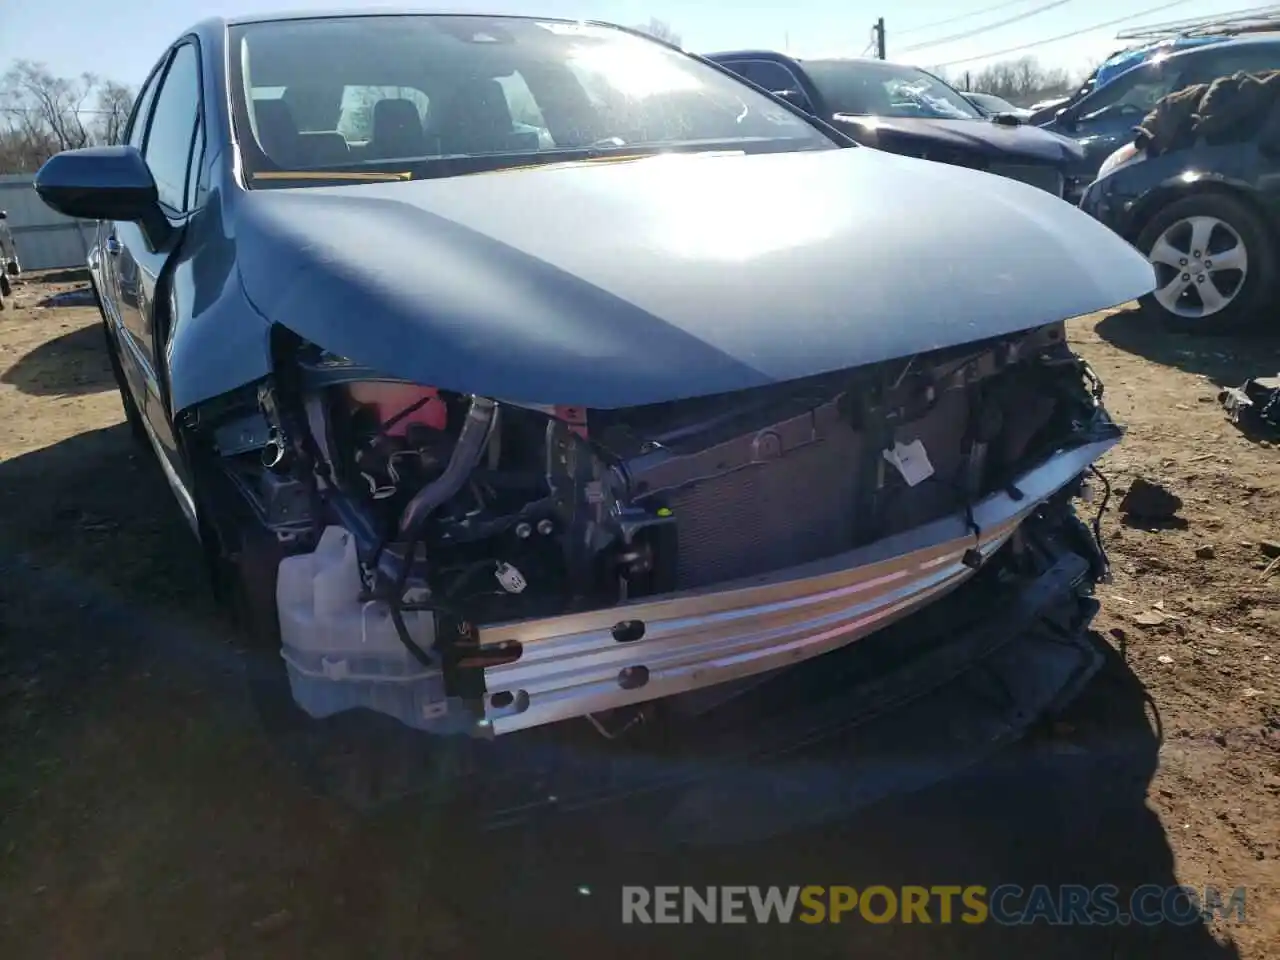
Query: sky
{"points": [[121, 39]]}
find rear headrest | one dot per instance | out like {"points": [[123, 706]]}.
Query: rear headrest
{"points": [[397, 129], [323, 148], [476, 119], [277, 133], [482, 104]]}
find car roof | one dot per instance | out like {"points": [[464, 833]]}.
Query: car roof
{"points": [[391, 11], [213, 29], [775, 55], [1204, 49]]}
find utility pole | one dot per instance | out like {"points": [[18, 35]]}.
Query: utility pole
{"points": [[878, 30]]}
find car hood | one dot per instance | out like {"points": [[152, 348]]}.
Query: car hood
{"points": [[978, 138], [618, 284]]}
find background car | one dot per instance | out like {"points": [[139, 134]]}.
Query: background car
{"points": [[906, 110], [1205, 215], [1112, 67], [1105, 119], [993, 106]]}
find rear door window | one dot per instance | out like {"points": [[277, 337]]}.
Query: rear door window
{"points": [[355, 117], [171, 132], [526, 115], [142, 109]]}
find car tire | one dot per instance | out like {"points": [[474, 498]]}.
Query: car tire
{"points": [[132, 415], [6, 288], [1233, 228]]}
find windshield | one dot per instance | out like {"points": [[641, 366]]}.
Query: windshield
{"points": [[991, 103], [875, 88], [380, 97], [1133, 93]]}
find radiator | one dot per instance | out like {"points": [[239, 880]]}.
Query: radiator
{"points": [[769, 515], [802, 506]]}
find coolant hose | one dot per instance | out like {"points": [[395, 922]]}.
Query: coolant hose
{"points": [[465, 456]]}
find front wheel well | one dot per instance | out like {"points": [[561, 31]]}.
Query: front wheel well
{"points": [[1161, 197]]}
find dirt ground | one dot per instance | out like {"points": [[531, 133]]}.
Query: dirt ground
{"points": [[144, 813]]}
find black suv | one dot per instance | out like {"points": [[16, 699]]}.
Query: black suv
{"points": [[907, 110]]}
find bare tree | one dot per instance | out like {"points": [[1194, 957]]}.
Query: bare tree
{"points": [[659, 30], [115, 103], [41, 114], [57, 102], [1023, 80]]}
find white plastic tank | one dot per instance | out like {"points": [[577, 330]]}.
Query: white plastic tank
{"points": [[341, 652]]}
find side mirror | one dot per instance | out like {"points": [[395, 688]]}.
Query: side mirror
{"points": [[794, 97], [103, 183]]}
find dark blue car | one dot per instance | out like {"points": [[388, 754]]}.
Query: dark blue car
{"points": [[1104, 120]]}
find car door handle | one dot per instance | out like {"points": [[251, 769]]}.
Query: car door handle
{"points": [[113, 246]]}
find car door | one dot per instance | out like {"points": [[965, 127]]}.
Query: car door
{"points": [[107, 274], [169, 144]]}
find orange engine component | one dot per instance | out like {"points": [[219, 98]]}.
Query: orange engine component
{"points": [[391, 398]]}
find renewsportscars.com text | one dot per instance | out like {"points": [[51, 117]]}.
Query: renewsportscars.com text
{"points": [[1006, 905]]}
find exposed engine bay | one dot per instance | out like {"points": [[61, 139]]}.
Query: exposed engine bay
{"points": [[398, 538]]}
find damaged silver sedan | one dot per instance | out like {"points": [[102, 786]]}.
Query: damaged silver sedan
{"points": [[513, 371]]}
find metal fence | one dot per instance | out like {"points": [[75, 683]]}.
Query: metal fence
{"points": [[45, 240]]}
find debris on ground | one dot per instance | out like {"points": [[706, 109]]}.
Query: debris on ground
{"points": [[1149, 502], [1269, 548], [1254, 406], [1205, 551], [1269, 569]]}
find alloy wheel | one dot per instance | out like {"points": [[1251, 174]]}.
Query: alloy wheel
{"points": [[1201, 264]]}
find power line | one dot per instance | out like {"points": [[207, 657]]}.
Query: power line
{"points": [[1234, 20], [1063, 36], [964, 16], [965, 35], [13, 110]]}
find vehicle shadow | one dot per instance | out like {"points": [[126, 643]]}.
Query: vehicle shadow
{"points": [[1060, 808], [79, 297], [133, 762], [95, 567], [74, 363], [66, 275], [1226, 360]]}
